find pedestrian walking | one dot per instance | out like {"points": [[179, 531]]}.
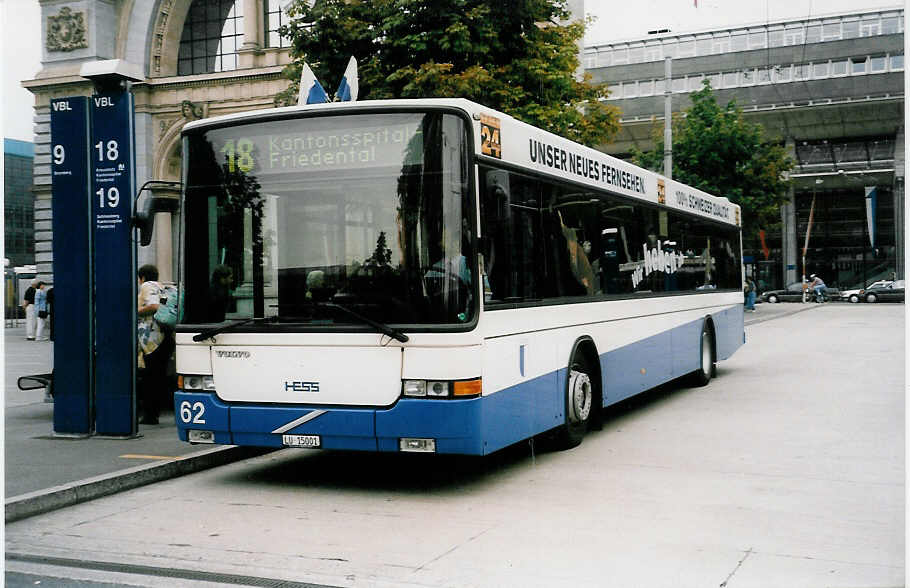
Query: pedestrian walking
{"points": [[154, 347], [749, 295], [28, 303], [41, 312]]}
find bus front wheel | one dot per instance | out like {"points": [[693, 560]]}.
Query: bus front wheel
{"points": [[579, 405]]}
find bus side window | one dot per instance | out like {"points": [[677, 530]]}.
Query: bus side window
{"points": [[495, 232]]}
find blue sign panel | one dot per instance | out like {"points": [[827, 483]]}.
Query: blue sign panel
{"points": [[113, 186], [72, 310]]}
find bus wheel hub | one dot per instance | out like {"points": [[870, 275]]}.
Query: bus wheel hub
{"points": [[579, 396]]}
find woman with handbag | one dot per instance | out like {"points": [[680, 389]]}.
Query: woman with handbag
{"points": [[154, 351]]}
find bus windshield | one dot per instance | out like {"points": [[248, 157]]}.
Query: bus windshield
{"points": [[307, 219]]}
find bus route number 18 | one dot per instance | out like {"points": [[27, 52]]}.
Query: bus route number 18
{"points": [[192, 413]]}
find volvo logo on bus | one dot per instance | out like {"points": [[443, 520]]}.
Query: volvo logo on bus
{"points": [[233, 354]]}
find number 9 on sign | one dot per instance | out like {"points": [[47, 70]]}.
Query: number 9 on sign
{"points": [[192, 413]]}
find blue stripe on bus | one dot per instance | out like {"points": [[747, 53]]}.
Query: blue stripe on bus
{"points": [[476, 426]]}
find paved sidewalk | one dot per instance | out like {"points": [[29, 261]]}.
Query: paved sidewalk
{"points": [[44, 471]]}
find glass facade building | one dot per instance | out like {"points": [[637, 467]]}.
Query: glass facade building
{"points": [[829, 88], [18, 202]]}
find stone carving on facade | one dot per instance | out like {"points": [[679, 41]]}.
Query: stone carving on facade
{"points": [[66, 31], [192, 111], [161, 25]]}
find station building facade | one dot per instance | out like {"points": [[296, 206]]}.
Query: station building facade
{"points": [[831, 88], [199, 58]]}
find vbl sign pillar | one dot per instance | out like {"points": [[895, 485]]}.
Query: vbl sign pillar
{"points": [[112, 188], [72, 238]]}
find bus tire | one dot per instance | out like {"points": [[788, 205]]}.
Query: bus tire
{"points": [[707, 362], [580, 398]]}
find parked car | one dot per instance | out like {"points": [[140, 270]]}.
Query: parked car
{"points": [[893, 292], [792, 293], [854, 296]]}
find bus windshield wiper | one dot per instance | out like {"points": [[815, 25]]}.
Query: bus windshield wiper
{"points": [[209, 333], [382, 328]]}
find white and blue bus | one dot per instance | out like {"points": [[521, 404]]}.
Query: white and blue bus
{"points": [[434, 276]]}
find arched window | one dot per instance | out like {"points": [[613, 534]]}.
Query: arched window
{"points": [[212, 34]]}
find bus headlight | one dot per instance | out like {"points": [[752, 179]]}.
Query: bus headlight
{"points": [[193, 383], [441, 388], [414, 388]]}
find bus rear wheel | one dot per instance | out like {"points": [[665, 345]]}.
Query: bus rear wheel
{"points": [[706, 366], [579, 405]]}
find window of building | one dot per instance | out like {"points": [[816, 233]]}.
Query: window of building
{"points": [[801, 72], [762, 75], [636, 53], [820, 70], [686, 47], [776, 38], [679, 85], [839, 68], [731, 79], [590, 60], [897, 62], [620, 55], [794, 35], [716, 80], [831, 31], [721, 43], [748, 77], [858, 65], [889, 25], [629, 89], [813, 33], [758, 39], [870, 26], [275, 18], [851, 28], [739, 41], [703, 45], [603, 57], [877, 64], [659, 87], [646, 88], [694, 82], [670, 47], [212, 34], [654, 51]]}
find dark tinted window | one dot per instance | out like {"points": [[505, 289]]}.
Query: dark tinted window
{"points": [[546, 240]]}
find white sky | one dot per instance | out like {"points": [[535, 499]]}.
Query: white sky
{"points": [[20, 31]]}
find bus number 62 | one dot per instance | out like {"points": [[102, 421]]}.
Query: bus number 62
{"points": [[192, 413]]}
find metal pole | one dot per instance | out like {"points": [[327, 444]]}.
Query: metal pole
{"points": [[668, 117], [806, 246]]}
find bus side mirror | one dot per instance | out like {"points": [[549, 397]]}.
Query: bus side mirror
{"points": [[144, 219]]}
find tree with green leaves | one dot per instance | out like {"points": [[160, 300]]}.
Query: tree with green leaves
{"points": [[517, 57], [717, 150]]}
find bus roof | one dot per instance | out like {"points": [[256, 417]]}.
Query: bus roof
{"points": [[499, 137]]}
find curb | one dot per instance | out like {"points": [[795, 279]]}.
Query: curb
{"points": [[42, 501]]}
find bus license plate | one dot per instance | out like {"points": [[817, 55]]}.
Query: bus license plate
{"points": [[300, 440]]}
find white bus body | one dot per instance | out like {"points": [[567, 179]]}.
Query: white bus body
{"points": [[524, 354]]}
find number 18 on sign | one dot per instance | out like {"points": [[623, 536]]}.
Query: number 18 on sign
{"points": [[111, 154]]}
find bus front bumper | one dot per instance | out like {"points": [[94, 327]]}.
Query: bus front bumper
{"points": [[453, 425]]}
